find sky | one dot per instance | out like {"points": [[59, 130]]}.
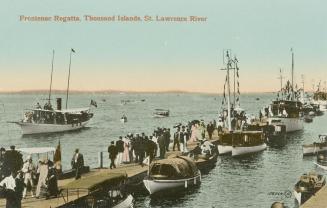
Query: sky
{"points": [[162, 56]]}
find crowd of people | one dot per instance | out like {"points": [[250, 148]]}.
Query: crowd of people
{"points": [[134, 148], [17, 177]]}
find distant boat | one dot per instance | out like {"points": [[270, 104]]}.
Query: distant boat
{"points": [[161, 113], [316, 147], [172, 174], [48, 120], [257, 98], [123, 119], [307, 186]]}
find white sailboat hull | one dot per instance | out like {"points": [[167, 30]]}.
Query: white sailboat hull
{"points": [[37, 128], [312, 149], [127, 203], [236, 151], [292, 124], [224, 149], [154, 186]]}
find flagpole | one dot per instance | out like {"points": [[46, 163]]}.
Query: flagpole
{"points": [[53, 53], [70, 61]]}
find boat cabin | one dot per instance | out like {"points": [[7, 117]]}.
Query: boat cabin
{"points": [[173, 168]]}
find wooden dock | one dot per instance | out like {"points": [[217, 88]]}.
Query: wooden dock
{"points": [[135, 174], [319, 200]]}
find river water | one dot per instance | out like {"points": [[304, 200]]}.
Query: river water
{"points": [[252, 181]]}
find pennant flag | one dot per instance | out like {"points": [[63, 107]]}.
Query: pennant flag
{"points": [[73, 50], [94, 103]]}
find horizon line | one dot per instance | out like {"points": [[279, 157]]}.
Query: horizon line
{"points": [[118, 91]]}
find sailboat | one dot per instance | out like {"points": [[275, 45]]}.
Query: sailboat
{"points": [[235, 139], [287, 110], [48, 120]]}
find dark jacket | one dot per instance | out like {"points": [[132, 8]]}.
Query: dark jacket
{"points": [[112, 149], [161, 141], [80, 161], [120, 146]]}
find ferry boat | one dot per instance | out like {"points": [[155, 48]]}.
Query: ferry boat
{"points": [[307, 186], [48, 120], [171, 174]]}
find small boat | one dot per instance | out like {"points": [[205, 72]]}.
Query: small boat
{"points": [[123, 119], [277, 134], [316, 147], [322, 160], [171, 174], [307, 186], [247, 142], [208, 157], [161, 113], [103, 190]]}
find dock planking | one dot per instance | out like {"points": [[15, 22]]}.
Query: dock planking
{"points": [[134, 172], [319, 200]]}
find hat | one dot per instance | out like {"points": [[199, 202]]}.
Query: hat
{"points": [[112, 142], [12, 147], [29, 157]]}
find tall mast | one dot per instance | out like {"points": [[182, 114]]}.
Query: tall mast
{"points": [[292, 73], [281, 81], [70, 61], [234, 101], [53, 52], [228, 89]]}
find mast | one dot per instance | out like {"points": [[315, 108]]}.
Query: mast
{"points": [[70, 61], [228, 89], [53, 52], [292, 74], [281, 81], [234, 101]]}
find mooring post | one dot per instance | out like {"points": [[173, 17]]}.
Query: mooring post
{"points": [[100, 159]]}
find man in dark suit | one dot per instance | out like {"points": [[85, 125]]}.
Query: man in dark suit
{"points": [[112, 149], [77, 163], [120, 150], [210, 129], [176, 139], [162, 145]]}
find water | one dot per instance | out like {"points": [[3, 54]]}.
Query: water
{"points": [[255, 181]]}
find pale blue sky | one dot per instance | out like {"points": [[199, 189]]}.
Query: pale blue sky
{"points": [[162, 56]]}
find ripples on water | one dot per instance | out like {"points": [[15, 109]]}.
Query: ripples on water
{"points": [[234, 182]]}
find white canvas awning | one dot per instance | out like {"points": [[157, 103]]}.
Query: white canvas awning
{"points": [[37, 150]]}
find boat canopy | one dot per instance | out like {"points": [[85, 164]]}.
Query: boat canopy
{"points": [[173, 168], [36, 150], [95, 182]]}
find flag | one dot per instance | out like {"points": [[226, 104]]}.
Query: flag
{"points": [[73, 50], [94, 103]]}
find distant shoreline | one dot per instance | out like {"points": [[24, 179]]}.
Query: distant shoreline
{"points": [[116, 91]]}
